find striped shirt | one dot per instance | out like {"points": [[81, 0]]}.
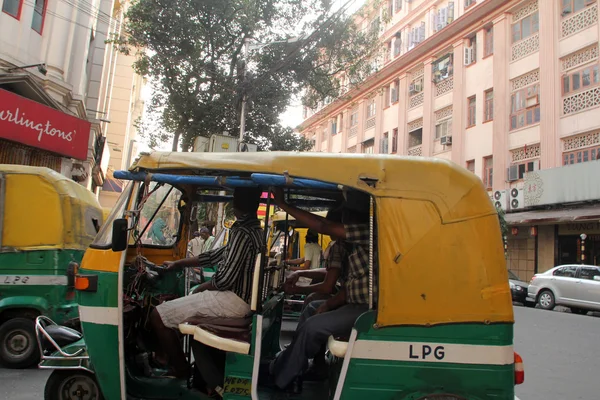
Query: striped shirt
{"points": [[235, 261]]}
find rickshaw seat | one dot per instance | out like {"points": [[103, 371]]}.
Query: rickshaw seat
{"points": [[338, 346], [62, 335], [228, 334]]}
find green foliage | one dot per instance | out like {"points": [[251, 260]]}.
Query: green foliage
{"points": [[193, 54]]}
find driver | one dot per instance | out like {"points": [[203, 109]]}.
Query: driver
{"points": [[227, 295]]}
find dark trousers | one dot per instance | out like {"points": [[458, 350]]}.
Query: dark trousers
{"points": [[311, 335], [210, 363]]}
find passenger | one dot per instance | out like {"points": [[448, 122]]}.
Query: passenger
{"points": [[337, 315], [208, 239], [324, 279], [195, 245], [226, 295], [312, 254]]}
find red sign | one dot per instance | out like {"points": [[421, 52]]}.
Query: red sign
{"points": [[34, 124]]}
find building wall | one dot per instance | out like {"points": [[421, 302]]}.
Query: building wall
{"points": [[564, 123], [84, 73]]}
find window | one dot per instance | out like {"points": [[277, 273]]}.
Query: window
{"points": [[572, 6], [416, 86], [526, 27], [416, 36], [528, 166], [371, 108], [368, 146], [383, 148], [583, 155], [471, 166], [390, 7], [394, 91], [488, 111], [387, 51], [583, 78], [442, 68], [334, 127], [471, 111], [488, 48], [471, 51], [488, 172], [354, 117], [12, 8], [397, 44], [352, 149], [469, 3], [591, 273], [386, 97], [397, 5], [443, 128], [525, 107], [443, 17], [39, 11], [395, 140], [567, 272]]}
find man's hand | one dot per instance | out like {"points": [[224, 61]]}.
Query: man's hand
{"points": [[323, 308], [170, 265], [289, 288], [278, 196], [292, 279]]}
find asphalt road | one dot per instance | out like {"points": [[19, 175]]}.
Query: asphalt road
{"points": [[561, 354]]}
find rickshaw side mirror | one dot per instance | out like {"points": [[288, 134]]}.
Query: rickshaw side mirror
{"points": [[119, 235]]}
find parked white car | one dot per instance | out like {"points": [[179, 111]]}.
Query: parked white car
{"points": [[574, 286]]}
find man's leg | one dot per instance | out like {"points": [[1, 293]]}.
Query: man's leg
{"points": [[169, 349], [310, 337]]}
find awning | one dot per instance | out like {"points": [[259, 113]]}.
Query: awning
{"points": [[541, 217]]}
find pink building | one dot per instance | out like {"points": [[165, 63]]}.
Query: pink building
{"points": [[509, 89]]}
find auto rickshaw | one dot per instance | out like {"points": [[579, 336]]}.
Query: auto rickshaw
{"points": [[440, 319], [46, 222]]}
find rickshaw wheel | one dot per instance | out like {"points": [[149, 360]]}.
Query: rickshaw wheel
{"points": [[72, 385], [18, 344]]}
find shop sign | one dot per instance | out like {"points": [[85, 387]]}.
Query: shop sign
{"points": [[577, 228], [34, 124]]}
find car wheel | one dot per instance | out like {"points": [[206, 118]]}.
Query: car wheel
{"points": [[578, 311], [72, 385], [546, 300], [18, 344]]}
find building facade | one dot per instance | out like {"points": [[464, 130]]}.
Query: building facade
{"points": [[504, 88], [57, 75]]}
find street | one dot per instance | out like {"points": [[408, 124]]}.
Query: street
{"points": [[561, 354]]}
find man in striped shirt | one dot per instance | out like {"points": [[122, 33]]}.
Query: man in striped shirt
{"points": [[228, 294]]}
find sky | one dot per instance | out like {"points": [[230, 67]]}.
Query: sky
{"points": [[292, 117]]}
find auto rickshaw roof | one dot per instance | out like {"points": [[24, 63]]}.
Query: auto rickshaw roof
{"points": [[438, 181]]}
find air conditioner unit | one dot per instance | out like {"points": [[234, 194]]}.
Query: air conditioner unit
{"points": [[516, 200], [500, 199], [513, 173], [446, 140]]}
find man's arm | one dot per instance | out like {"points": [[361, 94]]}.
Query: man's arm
{"points": [[334, 302], [207, 259], [325, 287], [312, 221], [297, 261]]}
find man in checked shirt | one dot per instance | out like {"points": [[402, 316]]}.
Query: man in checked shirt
{"points": [[337, 315]]}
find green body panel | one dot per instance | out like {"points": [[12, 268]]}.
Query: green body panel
{"points": [[102, 345], [53, 301], [108, 291], [383, 379]]}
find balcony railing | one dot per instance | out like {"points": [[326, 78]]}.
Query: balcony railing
{"points": [[370, 123], [580, 21], [445, 86], [415, 151], [416, 100]]}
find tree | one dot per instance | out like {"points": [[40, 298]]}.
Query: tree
{"points": [[194, 55]]}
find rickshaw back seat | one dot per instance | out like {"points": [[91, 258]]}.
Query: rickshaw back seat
{"points": [[338, 346], [62, 335], [228, 334]]}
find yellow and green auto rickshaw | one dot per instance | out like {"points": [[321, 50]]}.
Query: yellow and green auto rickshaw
{"points": [[46, 222], [440, 318], [294, 246]]}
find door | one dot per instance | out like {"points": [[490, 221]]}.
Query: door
{"points": [[564, 283], [590, 285]]}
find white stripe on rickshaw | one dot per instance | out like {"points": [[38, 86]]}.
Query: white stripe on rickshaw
{"points": [[99, 315]]}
